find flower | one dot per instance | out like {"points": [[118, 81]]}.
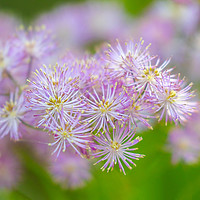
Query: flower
{"points": [[105, 107], [173, 100], [184, 145], [52, 90], [69, 134], [10, 56], [139, 110], [70, 170], [36, 42], [117, 148], [129, 59], [146, 77], [86, 69], [11, 115]]}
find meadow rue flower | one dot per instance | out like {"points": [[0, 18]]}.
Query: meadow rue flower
{"points": [[70, 170], [139, 110], [71, 134], [128, 58], [10, 57], [36, 42], [116, 148], [135, 63], [173, 100], [11, 115], [103, 108], [184, 144], [85, 68], [52, 90], [145, 77]]}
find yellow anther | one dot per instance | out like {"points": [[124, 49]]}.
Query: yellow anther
{"points": [[115, 145]]}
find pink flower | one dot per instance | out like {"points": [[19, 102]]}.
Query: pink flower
{"points": [[10, 56], [184, 145], [173, 99], [36, 42], [70, 170], [52, 90], [117, 147], [71, 134], [103, 108], [11, 115]]}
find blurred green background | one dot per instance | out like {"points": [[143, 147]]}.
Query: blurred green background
{"points": [[31, 8], [153, 178]]}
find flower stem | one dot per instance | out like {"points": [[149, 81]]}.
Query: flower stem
{"points": [[29, 67], [4, 94], [33, 127], [11, 78]]}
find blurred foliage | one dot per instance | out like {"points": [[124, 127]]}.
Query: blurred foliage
{"points": [[135, 7], [31, 8], [27, 10]]}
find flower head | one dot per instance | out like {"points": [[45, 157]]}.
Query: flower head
{"points": [[71, 134], [117, 147], [146, 77], [129, 59], [71, 170], [36, 42], [173, 100], [89, 69], [184, 145], [139, 110], [54, 89], [10, 115], [10, 56], [105, 108]]}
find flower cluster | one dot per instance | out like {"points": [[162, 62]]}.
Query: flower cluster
{"points": [[97, 116], [81, 107], [89, 106]]}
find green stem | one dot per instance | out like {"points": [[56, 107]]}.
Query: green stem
{"points": [[29, 67], [141, 93], [32, 127], [12, 79], [4, 94]]}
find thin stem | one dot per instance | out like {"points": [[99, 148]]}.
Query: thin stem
{"points": [[30, 126], [4, 94], [142, 92], [11, 78], [29, 67]]}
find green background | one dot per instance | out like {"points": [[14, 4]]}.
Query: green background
{"points": [[153, 178], [28, 9]]}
